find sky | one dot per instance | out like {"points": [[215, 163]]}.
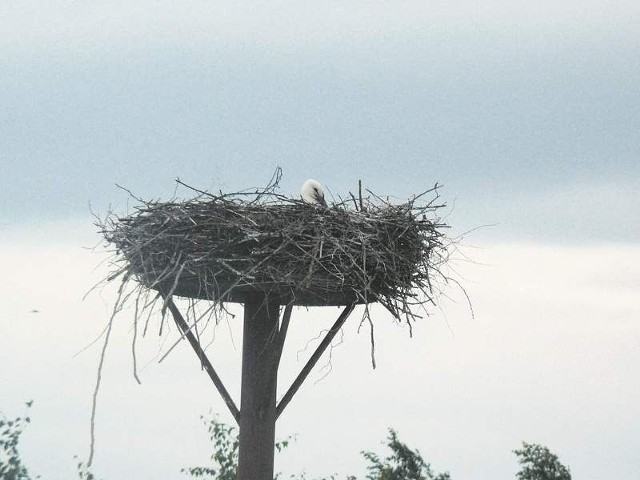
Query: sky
{"points": [[526, 112]]}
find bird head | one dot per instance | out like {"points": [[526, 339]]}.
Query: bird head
{"points": [[312, 192]]}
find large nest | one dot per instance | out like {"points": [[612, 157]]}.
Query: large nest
{"points": [[228, 247]]}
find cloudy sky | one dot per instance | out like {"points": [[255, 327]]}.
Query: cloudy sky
{"points": [[527, 112]]}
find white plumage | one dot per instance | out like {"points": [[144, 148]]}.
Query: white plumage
{"points": [[312, 192]]}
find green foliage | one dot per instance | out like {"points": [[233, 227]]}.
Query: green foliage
{"points": [[538, 463], [303, 476], [11, 466], [83, 471], [225, 452], [402, 464]]}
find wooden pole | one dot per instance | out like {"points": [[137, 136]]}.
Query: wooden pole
{"points": [[261, 347], [262, 343]]}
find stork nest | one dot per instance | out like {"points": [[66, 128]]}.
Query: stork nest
{"points": [[228, 247]]}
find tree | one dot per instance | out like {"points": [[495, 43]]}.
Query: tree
{"points": [[11, 466], [538, 463], [225, 452], [403, 463]]}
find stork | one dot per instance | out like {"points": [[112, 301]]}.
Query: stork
{"points": [[312, 192]]}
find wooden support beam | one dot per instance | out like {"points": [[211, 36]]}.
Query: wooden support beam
{"points": [[263, 341], [326, 341], [206, 364], [282, 332]]}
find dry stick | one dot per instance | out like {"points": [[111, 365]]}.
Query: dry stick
{"points": [[193, 326], [184, 328], [295, 386], [133, 342], [373, 342], [116, 308], [95, 393]]}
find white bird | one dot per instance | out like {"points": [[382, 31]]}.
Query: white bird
{"points": [[312, 192]]}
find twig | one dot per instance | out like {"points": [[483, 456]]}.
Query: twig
{"points": [[94, 402]]}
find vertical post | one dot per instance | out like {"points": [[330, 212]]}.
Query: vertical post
{"points": [[260, 358]]}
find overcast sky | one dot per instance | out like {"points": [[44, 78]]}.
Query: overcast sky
{"points": [[527, 112], [514, 106]]}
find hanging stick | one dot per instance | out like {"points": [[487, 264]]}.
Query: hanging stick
{"points": [[184, 328], [326, 341]]}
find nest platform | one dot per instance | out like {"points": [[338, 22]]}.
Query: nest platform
{"points": [[231, 247]]}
